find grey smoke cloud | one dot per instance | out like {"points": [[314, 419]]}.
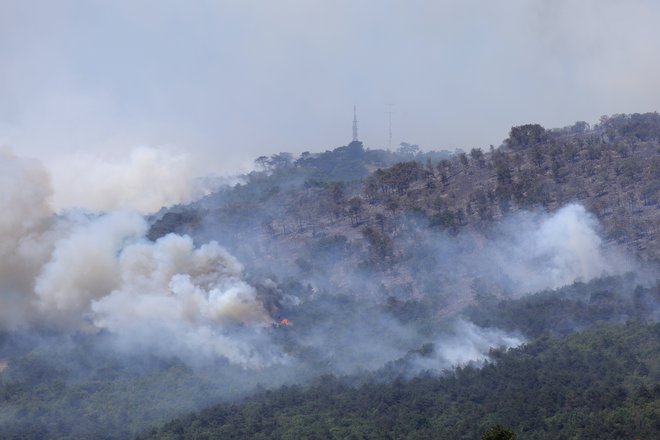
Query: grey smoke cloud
{"points": [[179, 300], [228, 81], [467, 343], [146, 179], [95, 272], [523, 253], [526, 253], [24, 240], [539, 252]]}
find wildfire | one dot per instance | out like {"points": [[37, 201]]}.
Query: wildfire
{"points": [[285, 322]]}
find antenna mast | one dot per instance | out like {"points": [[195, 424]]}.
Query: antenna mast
{"points": [[389, 126], [389, 141], [355, 125]]}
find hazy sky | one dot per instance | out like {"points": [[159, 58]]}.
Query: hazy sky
{"points": [[227, 81]]}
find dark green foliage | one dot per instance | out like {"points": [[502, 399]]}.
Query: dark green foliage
{"points": [[342, 164], [398, 178], [408, 150], [173, 221], [643, 127], [601, 383], [524, 136], [355, 210], [561, 312], [445, 220], [498, 432], [462, 157], [379, 247], [502, 168], [477, 155], [40, 400]]}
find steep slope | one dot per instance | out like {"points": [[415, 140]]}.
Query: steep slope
{"points": [[612, 169], [429, 229]]}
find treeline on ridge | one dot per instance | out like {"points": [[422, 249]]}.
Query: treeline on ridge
{"points": [[613, 169]]}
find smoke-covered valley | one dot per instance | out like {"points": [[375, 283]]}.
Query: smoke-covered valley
{"points": [[292, 273]]}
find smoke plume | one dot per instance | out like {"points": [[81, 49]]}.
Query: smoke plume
{"points": [[97, 272], [78, 271], [180, 300], [146, 180], [466, 343], [24, 239], [539, 252]]}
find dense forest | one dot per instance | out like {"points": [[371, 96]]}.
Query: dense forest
{"points": [[601, 383], [386, 294], [561, 370]]}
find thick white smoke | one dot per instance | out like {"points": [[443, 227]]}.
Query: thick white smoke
{"points": [[79, 271], [550, 251], [467, 343], [146, 180], [25, 202], [83, 264], [179, 300]]}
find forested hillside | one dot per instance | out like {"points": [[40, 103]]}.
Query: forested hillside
{"points": [[602, 383], [428, 231], [441, 231], [380, 272], [329, 220], [76, 392], [613, 169]]}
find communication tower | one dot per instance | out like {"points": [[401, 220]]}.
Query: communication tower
{"points": [[389, 126], [355, 125]]}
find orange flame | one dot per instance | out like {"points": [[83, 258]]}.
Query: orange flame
{"points": [[285, 322]]}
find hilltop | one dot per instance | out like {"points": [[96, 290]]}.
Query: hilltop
{"points": [[373, 210]]}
